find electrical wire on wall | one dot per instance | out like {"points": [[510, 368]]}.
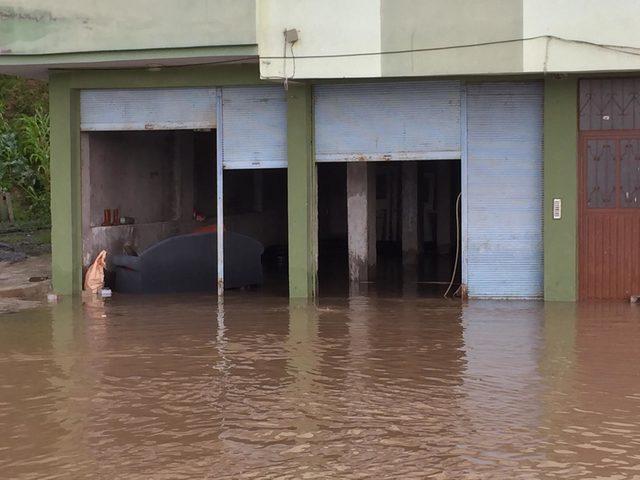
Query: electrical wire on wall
{"points": [[284, 62], [290, 37], [624, 49], [455, 263]]}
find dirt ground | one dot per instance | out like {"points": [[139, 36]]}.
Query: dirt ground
{"points": [[33, 241], [24, 283]]}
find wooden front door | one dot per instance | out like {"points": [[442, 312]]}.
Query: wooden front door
{"points": [[609, 208]]}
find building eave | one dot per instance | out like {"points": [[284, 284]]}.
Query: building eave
{"points": [[39, 65]]}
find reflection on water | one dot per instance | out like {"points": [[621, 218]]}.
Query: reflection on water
{"points": [[181, 387]]}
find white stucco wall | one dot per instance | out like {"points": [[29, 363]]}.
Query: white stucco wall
{"points": [[573, 25], [63, 26], [327, 27], [435, 37], [557, 36], [437, 24]]}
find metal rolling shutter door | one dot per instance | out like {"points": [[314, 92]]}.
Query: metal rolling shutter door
{"points": [[504, 190], [254, 127], [387, 121], [147, 109]]}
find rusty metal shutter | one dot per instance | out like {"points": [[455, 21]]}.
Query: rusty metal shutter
{"points": [[147, 109], [504, 190], [254, 127], [387, 121]]}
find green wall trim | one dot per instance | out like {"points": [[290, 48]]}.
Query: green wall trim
{"points": [[302, 194], [195, 76], [66, 234], [560, 181], [51, 59]]}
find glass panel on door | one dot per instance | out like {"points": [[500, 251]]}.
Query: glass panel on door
{"points": [[601, 173], [630, 173]]}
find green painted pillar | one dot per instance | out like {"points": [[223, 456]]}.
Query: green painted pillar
{"points": [[66, 235], [561, 181], [302, 194]]}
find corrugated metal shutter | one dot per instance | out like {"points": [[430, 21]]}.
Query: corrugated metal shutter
{"points": [[147, 109], [504, 190], [254, 127], [387, 121]]}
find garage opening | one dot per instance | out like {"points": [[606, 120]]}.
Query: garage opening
{"points": [[143, 187], [186, 187], [388, 227], [255, 205]]}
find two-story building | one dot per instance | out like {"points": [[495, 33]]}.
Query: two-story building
{"points": [[389, 137]]}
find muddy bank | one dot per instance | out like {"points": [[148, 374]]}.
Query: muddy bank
{"points": [[24, 284], [29, 239], [25, 265]]}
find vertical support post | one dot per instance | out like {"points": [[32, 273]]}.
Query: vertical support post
{"points": [[361, 226], [357, 231], [302, 193], [66, 231], [219, 192], [409, 213], [560, 152]]}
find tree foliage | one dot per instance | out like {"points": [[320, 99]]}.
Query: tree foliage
{"points": [[24, 144]]}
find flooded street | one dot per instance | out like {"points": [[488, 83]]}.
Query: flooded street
{"points": [[173, 387]]}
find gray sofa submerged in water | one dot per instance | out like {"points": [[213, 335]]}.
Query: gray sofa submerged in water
{"points": [[188, 263]]}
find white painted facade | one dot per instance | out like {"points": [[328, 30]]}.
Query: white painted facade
{"points": [[447, 37], [327, 27], [337, 38], [581, 35]]}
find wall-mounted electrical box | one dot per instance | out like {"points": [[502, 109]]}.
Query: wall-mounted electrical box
{"points": [[291, 36]]}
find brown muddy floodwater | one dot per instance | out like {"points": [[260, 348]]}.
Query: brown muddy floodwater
{"points": [[173, 387]]}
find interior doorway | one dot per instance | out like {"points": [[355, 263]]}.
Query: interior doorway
{"points": [[411, 223]]}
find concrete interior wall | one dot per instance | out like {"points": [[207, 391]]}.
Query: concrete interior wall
{"points": [[145, 175], [134, 172]]}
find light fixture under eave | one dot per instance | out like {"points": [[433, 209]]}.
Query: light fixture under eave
{"points": [[154, 67]]}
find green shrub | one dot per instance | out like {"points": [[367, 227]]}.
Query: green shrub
{"points": [[24, 159]]}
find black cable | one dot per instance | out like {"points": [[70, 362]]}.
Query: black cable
{"points": [[159, 67], [617, 48], [614, 48]]}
